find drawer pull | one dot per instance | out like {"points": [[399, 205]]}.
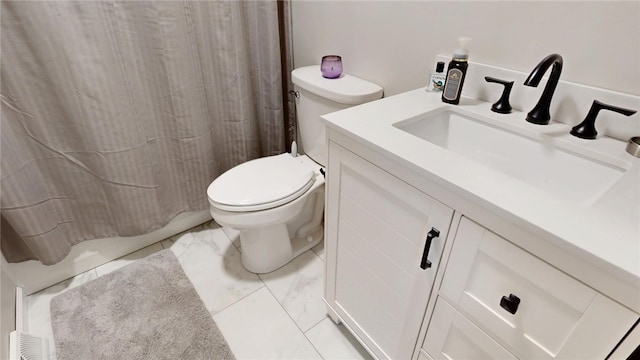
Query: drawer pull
{"points": [[510, 303], [425, 263]]}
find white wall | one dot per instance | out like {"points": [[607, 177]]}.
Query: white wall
{"points": [[394, 43]]}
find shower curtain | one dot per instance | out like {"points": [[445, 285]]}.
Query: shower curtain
{"points": [[116, 115]]}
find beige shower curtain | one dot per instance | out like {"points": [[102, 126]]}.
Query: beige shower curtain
{"points": [[116, 115]]}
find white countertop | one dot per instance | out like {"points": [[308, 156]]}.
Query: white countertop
{"points": [[605, 232]]}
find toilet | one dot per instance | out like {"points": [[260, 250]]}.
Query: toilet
{"points": [[277, 202]]}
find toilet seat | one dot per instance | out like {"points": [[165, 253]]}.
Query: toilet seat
{"points": [[261, 184]]}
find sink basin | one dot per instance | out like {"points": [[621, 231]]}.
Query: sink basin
{"points": [[543, 165]]}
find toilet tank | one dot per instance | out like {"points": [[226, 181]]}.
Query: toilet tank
{"points": [[319, 96]]}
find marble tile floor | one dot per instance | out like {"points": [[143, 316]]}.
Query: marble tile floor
{"points": [[279, 315]]}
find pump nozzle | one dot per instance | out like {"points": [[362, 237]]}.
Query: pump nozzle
{"points": [[463, 50]]}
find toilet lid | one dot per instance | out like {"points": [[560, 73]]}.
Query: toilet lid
{"points": [[261, 184]]}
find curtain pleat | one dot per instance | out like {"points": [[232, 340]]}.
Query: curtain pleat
{"points": [[116, 115], [286, 61]]}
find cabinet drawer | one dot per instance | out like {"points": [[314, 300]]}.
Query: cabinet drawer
{"points": [[556, 317], [452, 336]]}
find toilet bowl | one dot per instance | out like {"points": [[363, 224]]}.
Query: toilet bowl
{"points": [[277, 202]]}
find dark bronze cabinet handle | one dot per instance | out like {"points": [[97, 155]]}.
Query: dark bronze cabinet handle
{"points": [[425, 263], [510, 303]]}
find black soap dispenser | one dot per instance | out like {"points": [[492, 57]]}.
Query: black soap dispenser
{"points": [[456, 73]]}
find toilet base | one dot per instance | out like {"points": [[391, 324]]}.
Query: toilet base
{"points": [[274, 241]]}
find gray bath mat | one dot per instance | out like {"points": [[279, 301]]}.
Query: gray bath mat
{"points": [[145, 310]]}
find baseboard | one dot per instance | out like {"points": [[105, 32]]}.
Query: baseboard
{"points": [[32, 276]]}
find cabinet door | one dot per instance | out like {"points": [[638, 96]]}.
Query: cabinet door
{"points": [[377, 229]]}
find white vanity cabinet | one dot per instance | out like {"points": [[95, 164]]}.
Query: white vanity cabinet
{"points": [[532, 309], [527, 265], [480, 297], [384, 241]]}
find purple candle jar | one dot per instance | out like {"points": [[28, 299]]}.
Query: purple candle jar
{"points": [[331, 66]]}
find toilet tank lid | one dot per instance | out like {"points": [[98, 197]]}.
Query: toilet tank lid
{"points": [[347, 89]]}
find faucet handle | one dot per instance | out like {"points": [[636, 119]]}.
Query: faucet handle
{"points": [[501, 106], [587, 129]]}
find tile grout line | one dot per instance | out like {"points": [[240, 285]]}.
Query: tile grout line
{"points": [[323, 319], [304, 333], [240, 299], [246, 296], [291, 318]]}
